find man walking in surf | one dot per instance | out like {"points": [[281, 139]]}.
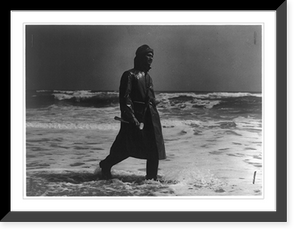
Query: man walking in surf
{"points": [[140, 135]]}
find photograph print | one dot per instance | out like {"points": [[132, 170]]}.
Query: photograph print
{"points": [[144, 110]]}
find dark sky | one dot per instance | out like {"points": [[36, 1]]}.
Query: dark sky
{"points": [[186, 57]]}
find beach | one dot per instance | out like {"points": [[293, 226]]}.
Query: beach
{"points": [[213, 143]]}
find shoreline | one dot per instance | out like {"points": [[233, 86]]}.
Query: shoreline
{"points": [[202, 160]]}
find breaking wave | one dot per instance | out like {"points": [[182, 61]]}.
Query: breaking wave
{"points": [[86, 98], [181, 100], [72, 126]]}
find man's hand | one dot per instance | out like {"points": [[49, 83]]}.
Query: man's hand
{"points": [[136, 122]]}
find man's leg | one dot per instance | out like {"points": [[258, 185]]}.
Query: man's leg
{"points": [[118, 153], [151, 148], [109, 162], [152, 168]]}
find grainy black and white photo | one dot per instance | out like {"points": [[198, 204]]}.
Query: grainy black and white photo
{"points": [[143, 110]]}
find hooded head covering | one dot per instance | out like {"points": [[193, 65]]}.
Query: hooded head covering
{"points": [[142, 50], [140, 61]]}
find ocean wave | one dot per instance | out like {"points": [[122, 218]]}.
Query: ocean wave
{"points": [[208, 100], [233, 94], [114, 125], [209, 95], [85, 98], [73, 126], [84, 95], [168, 100]]}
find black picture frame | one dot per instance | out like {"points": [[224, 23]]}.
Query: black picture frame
{"points": [[280, 215]]}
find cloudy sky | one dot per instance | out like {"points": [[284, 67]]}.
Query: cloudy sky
{"points": [[186, 57]]}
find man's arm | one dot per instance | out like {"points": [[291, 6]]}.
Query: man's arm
{"points": [[152, 98], [126, 103]]}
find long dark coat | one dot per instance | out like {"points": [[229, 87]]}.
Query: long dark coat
{"points": [[137, 99]]}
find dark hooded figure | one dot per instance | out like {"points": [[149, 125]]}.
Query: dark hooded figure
{"points": [[140, 135]]}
